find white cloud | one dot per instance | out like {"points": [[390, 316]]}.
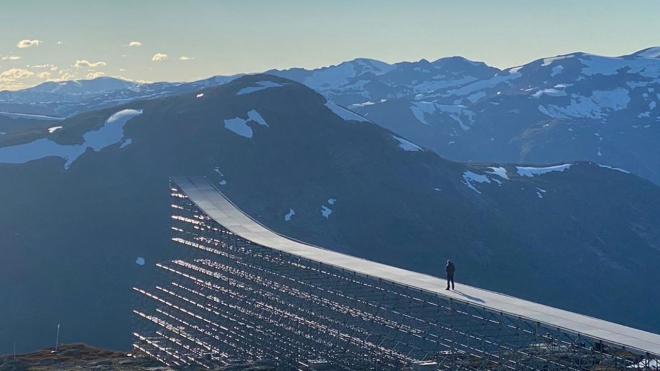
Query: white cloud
{"points": [[94, 75], [15, 74], [54, 68], [66, 76], [28, 43], [186, 58], [85, 63], [43, 75], [60, 42], [122, 69], [11, 57], [134, 44], [159, 57]]}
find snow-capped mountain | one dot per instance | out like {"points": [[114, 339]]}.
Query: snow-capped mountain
{"points": [[565, 108], [88, 197], [366, 81]]}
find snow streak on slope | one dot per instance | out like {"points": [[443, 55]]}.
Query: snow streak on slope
{"points": [[470, 178], [344, 113], [406, 145], [30, 116]]}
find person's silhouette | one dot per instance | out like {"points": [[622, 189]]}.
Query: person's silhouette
{"points": [[450, 274]]}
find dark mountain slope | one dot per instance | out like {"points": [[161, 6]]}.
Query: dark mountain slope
{"points": [[73, 222]]}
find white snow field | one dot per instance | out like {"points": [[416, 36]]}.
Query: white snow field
{"points": [[533, 171], [112, 132], [261, 85]]}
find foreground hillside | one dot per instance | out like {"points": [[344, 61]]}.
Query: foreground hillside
{"points": [[77, 356], [89, 200]]}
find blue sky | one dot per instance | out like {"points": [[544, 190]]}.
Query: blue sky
{"points": [[81, 39]]}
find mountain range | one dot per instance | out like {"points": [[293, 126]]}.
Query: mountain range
{"points": [[574, 107], [85, 214]]}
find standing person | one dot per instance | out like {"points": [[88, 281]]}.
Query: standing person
{"points": [[450, 274]]}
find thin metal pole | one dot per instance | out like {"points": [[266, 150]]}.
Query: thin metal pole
{"points": [[57, 337]]}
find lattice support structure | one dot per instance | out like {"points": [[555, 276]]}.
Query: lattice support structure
{"points": [[231, 298]]}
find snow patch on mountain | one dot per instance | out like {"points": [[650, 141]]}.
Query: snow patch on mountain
{"points": [[556, 70], [256, 117], [590, 107], [332, 201], [110, 133], [420, 109], [261, 85], [607, 66], [470, 177], [551, 92], [126, 143], [365, 104], [240, 125], [499, 171], [344, 113], [53, 129], [406, 145], [325, 211], [540, 192], [548, 61], [288, 216], [533, 171]]}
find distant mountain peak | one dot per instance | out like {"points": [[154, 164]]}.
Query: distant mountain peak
{"points": [[653, 53]]}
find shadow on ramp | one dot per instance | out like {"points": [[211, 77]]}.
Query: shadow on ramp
{"points": [[473, 298]]}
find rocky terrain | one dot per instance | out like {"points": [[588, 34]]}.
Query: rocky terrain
{"points": [[79, 356]]}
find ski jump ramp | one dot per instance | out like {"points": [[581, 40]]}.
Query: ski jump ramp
{"points": [[245, 292]]}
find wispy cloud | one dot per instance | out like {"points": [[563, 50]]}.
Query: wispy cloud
{"points": [[186, 58], [15, 74], [11, 57], [47, 65], [60, 42], [94, 75], [158, 57], [44, 75], [28, 43], [134, 44], [85, 63]]}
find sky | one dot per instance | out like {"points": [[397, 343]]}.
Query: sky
{"points": [[165, 40]]}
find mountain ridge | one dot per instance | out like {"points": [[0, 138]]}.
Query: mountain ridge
{"points": [[91, 208]]}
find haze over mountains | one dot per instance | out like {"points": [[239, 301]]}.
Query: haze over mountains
{"points": [[565, 108], [88, 197]]}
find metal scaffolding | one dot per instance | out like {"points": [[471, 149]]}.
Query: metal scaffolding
{"points": [[232, 299]]}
